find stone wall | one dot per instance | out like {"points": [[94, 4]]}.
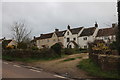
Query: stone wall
{"points": [[106, 62]]}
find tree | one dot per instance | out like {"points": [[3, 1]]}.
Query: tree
{"points": [[20, 32], [57, 48]]}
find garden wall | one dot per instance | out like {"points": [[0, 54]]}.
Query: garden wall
{"points": [[106, 62]]}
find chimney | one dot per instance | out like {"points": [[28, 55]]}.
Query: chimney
{"points": [[96, 25], [34, 37], [113, 25], [56, 30], [68, 27], [41, 34]]}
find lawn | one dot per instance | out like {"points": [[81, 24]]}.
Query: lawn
{"points": [[94, 70]]}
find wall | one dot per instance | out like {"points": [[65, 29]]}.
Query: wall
{"points": [[71, 36], [49, 41], [112, 38], [106, 62]]}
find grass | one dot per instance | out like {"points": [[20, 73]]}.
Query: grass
{"points": [[94, 70], [70, 59]]}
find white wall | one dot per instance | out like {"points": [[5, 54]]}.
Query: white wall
{"points": [[91, 38], [71, 36], [104, 38]]}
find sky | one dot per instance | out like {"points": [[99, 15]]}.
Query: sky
{"points": [[44, 17]]}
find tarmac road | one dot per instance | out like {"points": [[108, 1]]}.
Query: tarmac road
{"points": [[12, 70]]}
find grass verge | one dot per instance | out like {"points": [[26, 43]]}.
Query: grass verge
{"points": [[94, 70], [70, 59]]}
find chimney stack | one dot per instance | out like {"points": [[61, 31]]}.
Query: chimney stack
{"points": [[68, 27], [56, 30], [113, 25], [96, 25], [41, 34], [34, 37]]}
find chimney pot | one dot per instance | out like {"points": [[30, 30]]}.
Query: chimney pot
{"points": [[68, 26], [56, 30], [113, 25]]}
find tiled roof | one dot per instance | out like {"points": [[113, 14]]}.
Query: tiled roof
{"points": [[106, 32], [49, 35], [44, 36], [75, 30], [88, 31], [6, 41], [60, 33]]}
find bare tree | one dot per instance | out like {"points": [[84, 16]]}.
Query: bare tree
{"points": [[20, 32]]}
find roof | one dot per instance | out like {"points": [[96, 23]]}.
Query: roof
{"points": [[44, 36], [88, 31], [49, 35], [106, 32], [60, 33], [6, 42], [75, 30]]}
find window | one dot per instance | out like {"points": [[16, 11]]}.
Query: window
{"points": [[74, 39], [106, 38], [68, 39], [67, 33], [85, 46], [85, 38]]}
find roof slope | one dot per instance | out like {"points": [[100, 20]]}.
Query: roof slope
{"points": [[49, 35], [88, 31], [44, 36], [76, 30], [106, 32], [60, 33]]}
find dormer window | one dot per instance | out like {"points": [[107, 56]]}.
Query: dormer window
{"points": [[67, 33]]}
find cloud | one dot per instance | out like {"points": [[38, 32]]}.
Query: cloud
{"points": [[44, 17]]}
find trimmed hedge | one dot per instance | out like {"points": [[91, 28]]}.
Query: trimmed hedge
{"points": [[19, 53]]}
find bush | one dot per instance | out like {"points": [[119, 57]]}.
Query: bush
{"points": [[57, 48], [22, 45], [68, 51], [113, 46], [32, 54], [34, 48]]}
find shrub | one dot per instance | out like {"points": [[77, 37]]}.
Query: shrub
{"points": [[22, 45], [32, 54], [113, 46], [34, 48], [57, 48], [68, 51], [10, 47]]}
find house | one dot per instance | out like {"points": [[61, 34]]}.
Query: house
{"points": [[107, 34], [88, 35], [71, 37], [10, 42], [49, 39]]}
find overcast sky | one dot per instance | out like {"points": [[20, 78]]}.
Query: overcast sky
{"points": [[44, 17]]}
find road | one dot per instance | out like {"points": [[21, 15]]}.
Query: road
{"points": [[12, 70]]}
